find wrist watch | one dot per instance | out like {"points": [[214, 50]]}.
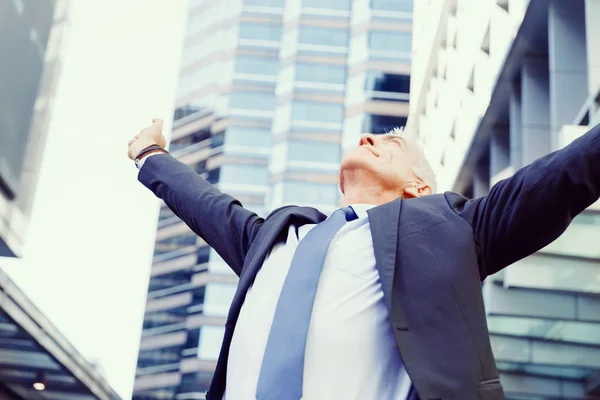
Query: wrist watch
{"points": [[148, 150]]}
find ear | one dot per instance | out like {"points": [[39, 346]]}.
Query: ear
{"points": [[416, 189]]}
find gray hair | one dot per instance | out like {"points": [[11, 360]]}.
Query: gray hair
{"points": [[420, 166]]}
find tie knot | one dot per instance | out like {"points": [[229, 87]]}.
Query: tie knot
{"points": [[350, 214]]}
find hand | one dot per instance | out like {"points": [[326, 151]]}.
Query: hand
{"points": [[147, 137]]}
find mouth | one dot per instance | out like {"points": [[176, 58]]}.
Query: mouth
{"points": [[371, 150]]}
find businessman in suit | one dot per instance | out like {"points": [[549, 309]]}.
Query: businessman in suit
{"points": [[382, 299]]}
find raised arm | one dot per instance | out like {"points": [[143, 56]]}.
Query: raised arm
{"points": [[217, 218], [529, 210]]}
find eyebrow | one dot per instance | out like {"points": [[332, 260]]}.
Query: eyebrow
{"points": [[389, 138]]}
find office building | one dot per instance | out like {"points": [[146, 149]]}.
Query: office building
{"points": [[497, 84], [36, 361], [271, 92], [31, 44]]}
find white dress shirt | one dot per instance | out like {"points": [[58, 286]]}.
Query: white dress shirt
{"points": [[351, 352]]}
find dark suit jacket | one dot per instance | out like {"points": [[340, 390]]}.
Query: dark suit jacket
{"points": [[432, 254]]}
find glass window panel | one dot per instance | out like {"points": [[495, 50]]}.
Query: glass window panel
{"points": [[245, 174], [311, 193], [211, 338], [248, 137], [579, 239], [175, 242], [393, 5], [253, 101], [565, 355], [265, 3], [193, 382], [315, 111], [331, 4], [189, 140], [386, 82], [165, 393], [217, 265], [305, 150], [170, 317], [382, 123], [256, 65], [260, 31], [323, 36], [554, 273], [544, 370], [568, 331], [218, 298], [390, 41], [160, 356], [320, 73]]}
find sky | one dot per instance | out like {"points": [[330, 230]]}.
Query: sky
{"points": [[88, 253]]}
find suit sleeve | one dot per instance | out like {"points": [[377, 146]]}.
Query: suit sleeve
{"points": [[217, 218], [524, 213]]}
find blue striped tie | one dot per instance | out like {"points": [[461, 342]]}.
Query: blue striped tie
{"points": [[282, 369]]}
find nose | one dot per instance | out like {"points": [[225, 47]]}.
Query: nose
{"points": [[367, 138]]}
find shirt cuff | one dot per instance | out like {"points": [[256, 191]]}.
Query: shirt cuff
{"points": [[140, 164]]}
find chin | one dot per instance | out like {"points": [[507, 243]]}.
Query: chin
{"points": [[357, 159]]}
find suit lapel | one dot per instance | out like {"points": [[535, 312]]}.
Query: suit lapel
{"points": [[274, 226], [384, 222]]}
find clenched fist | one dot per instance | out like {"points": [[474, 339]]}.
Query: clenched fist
{"points": [[147, 137]]}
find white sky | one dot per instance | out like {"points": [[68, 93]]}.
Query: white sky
{"points": [[88, 254]]}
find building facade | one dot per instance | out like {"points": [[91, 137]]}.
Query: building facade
{"points": [[271, 93], [497, 84], [32, 40], [36, 360]]}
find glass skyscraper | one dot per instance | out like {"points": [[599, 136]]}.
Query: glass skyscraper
{"points": [[32, 44], [271, 93]]}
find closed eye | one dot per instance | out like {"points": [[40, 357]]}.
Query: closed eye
{"points": [[398, 142]]}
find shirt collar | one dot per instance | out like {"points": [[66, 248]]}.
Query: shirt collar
{"points": [[361, 209]]}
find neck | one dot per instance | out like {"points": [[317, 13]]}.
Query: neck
{"points": [[368, 195]]}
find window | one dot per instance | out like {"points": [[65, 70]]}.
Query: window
{"points": [[323, 36], [184, 111], [159, 319], [319, 112], [175, 242], [211, 338], [194, 382], [256, 65], [160, 356], [260, 31], [385, 82], [310, 192], [390, 41], [320, 73], [186, 141], [382, 123], [249, 137], [393, 5], [253, 101], [244, 174], [265, 3], [330, 4], [218, 298], [305, 150]]}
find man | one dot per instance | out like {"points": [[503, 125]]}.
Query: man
{"points": [[398, 313]]}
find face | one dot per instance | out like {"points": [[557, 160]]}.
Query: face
{"points": [[384, 160]]}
